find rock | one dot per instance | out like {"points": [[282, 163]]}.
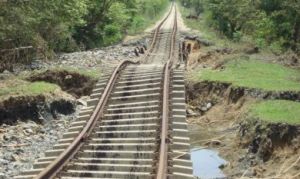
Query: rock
{"points": [[6, 137], [81, 102], [15, 158], [222, 166], [191, 113], [28, 131], [203, 109], [2, 176], [4, 161], [68, 77], [5, 74], [208, 105]]}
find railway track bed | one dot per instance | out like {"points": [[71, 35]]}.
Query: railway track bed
{"points": [[134, 125]]}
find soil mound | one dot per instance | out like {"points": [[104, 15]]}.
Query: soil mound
{"points": [[73, 83], [33, 108]]}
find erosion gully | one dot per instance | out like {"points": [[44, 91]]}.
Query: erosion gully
{"points": [[134, 125]]}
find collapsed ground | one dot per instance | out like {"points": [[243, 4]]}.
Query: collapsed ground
{"points": [[245, 103], [39, 100]]}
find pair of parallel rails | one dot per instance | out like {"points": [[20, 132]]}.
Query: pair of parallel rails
{"points": [[133, 126]]}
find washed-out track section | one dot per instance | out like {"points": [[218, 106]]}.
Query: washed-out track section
{"points": [[125, 141]]}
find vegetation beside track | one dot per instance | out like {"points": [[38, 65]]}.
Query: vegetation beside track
{"points": [[277, 111], [268, 24], [255, 74], [205, 31], [51, 81], [42, 28], [17, 87]]}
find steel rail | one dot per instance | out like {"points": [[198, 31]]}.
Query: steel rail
{"points": [[162, 168], [57, 165], [156, 32], [173, 39]]}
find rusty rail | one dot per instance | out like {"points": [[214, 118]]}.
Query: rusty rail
{"points": [[156, 32], [174, 32], [163, 150], [56, 166], [162, 168]]}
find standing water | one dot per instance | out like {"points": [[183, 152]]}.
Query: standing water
{"points": [[206, 164]]}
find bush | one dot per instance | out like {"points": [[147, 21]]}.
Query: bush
{"points": [[270, 23], [112, 34]]}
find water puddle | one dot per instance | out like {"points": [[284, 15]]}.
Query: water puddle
{"points": [[206, 164]]}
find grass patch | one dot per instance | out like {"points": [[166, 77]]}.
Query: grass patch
{"points": [[255, 74], [16, 87], [277, 111]]}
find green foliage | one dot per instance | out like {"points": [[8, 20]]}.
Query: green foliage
{"points": [[150, 10], [50, 21], [109, 20], [272, 23], [64, 26], [255, 74], [277, 111]]}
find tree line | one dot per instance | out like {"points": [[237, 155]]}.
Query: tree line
{"points": [[50, 26], [270, 23]]}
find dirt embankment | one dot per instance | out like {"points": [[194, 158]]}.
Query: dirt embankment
{"points": [[73, 83], [253, 148], [215, 101], [263, 138], [202, 53], [197, 91], [35, 108], [31, 123]]}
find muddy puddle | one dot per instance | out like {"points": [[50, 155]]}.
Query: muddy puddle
{"points": [[206, 160]]}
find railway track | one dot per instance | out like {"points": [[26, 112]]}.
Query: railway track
{"points": [[134, 124]]}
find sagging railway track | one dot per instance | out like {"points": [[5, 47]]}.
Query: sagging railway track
{"points": [[134, 124]]}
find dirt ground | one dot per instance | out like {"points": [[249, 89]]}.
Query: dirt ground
{"points": [[219, 113], [220, 125]]}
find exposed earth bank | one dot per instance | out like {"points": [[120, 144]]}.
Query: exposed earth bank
{"points": [[30, 125], [252, 147], [219, 112], [32, 121]]}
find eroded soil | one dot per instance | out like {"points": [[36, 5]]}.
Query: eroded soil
{"points": [[219, 120], [71, 82], [28, 126]]}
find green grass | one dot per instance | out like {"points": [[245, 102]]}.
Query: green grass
{"points": [[18, 87], [277, 111], [255, 74]]}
